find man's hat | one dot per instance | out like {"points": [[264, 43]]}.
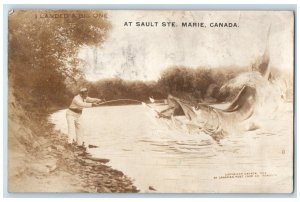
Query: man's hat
{"points": [[83, 90]]}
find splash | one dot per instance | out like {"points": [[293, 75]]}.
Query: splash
{"points": [[259, 96]]}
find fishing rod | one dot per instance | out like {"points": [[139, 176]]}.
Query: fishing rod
{"points": [[132, 100], [117, 100]]}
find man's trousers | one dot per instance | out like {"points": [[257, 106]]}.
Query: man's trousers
{"points": [[75, 132]]}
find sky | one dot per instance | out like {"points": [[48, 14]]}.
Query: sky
{"points": [[141, 53]]}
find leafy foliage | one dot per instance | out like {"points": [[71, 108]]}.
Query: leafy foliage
{"points": [[200, 84], [42, 52]]}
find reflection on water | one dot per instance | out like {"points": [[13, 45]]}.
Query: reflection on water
{"points": [[153, 154]]}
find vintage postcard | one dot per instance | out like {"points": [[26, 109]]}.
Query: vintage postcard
{"points": [[136, 101]]}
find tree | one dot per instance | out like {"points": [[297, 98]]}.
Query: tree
{"points": [[43, 46]]}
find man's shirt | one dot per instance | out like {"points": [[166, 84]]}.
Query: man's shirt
{"points": [[79, 103]]}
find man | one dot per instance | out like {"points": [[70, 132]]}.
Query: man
{"points": [[73, 115]]}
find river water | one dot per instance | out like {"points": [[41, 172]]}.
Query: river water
{"points": [[155, 155]]}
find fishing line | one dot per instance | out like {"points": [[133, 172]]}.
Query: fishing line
{"points": [[117, 100], [132, 100]]}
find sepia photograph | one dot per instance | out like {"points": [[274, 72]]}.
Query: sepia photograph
{"points": [[150, 101]]}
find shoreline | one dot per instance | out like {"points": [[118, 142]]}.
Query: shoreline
{"points": [[39, 160], [96, 177]]}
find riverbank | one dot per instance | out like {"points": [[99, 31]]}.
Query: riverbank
{"points": [[40, 161]]}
